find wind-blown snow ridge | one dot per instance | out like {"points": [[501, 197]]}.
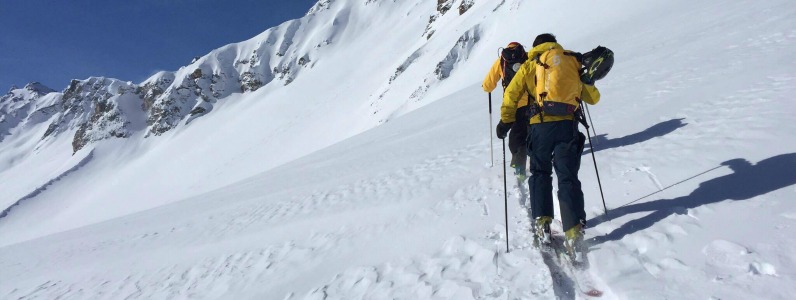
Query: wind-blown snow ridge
{"points": [[41, 189]]}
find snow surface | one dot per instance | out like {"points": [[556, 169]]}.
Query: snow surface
{"points": [[298, 192]]}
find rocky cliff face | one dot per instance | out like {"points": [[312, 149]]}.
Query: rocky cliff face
{"points": [[93, 109]]}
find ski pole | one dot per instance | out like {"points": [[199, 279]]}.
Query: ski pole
{"points": [[597, 172], [505, 196], [491, 144], [590, 122]]}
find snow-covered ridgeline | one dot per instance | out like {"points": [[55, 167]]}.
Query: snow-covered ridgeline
{"points": [[276, 57]]}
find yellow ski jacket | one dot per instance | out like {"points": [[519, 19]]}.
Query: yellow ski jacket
{"points": [[524, 81], [491, 82]]}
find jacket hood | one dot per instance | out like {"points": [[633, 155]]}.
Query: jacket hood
{"points": [[541, 48]]}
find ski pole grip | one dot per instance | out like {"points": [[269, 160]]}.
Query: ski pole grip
{"points": [[490, 103]]}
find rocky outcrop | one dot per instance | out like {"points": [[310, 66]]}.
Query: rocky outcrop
{"points": [[151, 90], [170, 100], [320, 6], [106, 122], [18, 105], [443, 6], [92, 108], [15, 95], [465, 5], [459, 52], [249, 82]]}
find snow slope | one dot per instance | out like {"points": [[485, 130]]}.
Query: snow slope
{"points": [[696, 111]]}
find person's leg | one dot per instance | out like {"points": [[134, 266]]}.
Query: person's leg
{"points": [[567, 154], [541, 181], [521, 163], [517, 141]]}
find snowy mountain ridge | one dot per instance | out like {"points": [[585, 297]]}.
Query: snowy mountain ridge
{"points": [[276, 57], [284, 76]]}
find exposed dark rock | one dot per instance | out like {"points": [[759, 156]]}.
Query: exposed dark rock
{"points": [[163, 116], [321, 5], [249, 82], [281, 72], [443, 6], [73, 89], [459, 52], [38, 88], [198, 110], [93, 109], [465, 5], [429, 32], [196, 74], [50, 130], [150, 92], [80, 139]]}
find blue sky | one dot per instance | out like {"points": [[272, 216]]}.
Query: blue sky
{"points": [[58, 40]]}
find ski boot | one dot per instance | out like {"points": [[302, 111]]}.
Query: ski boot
{"points": [[541, 232], [575, 246], [519, 171]]}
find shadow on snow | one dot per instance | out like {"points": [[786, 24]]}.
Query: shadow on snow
{"points": [[657, 130], [747, 181]]}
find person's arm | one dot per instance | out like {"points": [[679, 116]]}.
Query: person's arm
{"points": [[492, 78], [515, 90], [590, 94]]}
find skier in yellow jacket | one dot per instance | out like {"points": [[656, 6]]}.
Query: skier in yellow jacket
{"points": [[519, 131], [553, 140]]}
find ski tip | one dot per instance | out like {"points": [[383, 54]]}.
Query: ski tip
{"points": [[594, 293]]}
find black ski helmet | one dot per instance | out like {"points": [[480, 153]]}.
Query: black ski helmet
{"points": [[597, 63]]}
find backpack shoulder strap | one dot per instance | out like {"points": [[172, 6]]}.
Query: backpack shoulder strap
{"points": [[577, 55]]}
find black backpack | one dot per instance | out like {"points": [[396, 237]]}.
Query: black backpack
{"points": [[510, 61]]}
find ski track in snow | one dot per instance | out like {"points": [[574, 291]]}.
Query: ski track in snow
{"points": [[463, 268]]}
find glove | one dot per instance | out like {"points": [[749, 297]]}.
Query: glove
{"points": [[586, 79], [503, 129]]}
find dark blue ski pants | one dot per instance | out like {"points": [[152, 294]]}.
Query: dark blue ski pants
{"points": [[556, 145]]}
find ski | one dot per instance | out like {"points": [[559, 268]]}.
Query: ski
{"points": [[582, 279]]}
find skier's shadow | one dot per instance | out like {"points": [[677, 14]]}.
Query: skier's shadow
{"points": [[747, 181], [657, 130]]}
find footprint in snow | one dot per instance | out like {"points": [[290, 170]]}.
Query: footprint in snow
{"points": [[729, 259], [462, 269]]}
